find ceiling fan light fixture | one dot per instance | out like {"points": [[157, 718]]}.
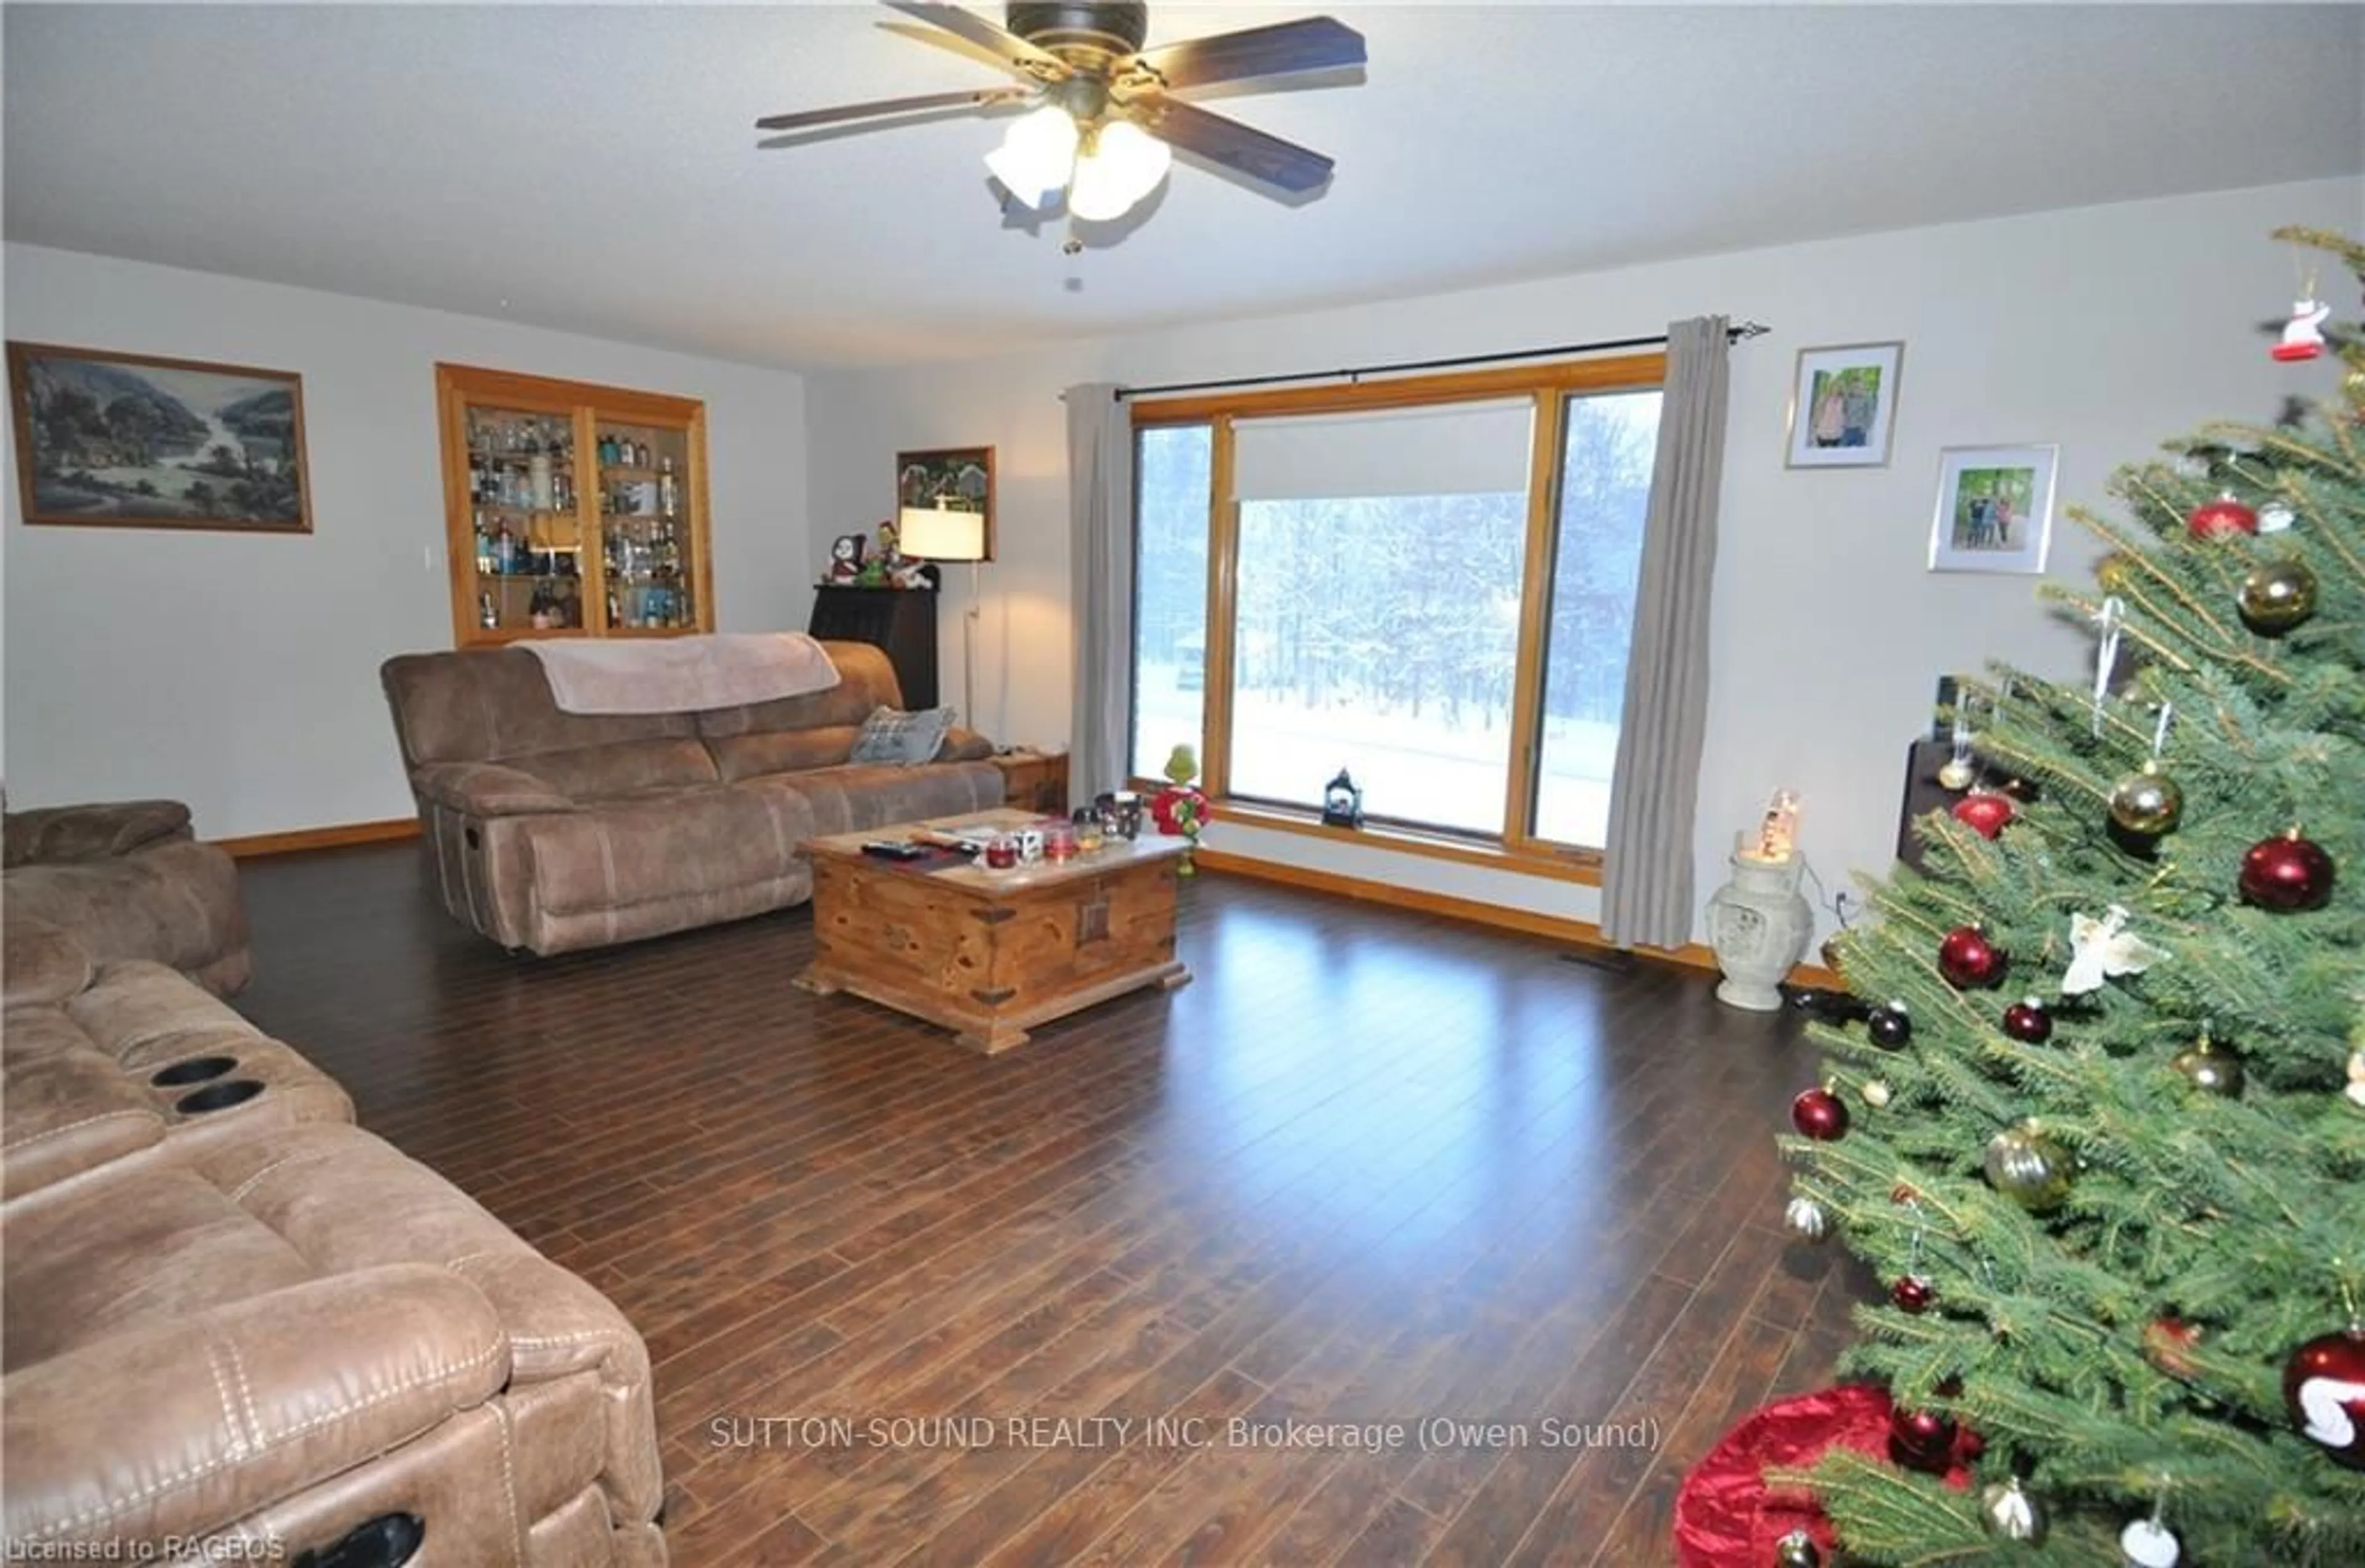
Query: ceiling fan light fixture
{"points": [[1038, 156], [1123, 164]]}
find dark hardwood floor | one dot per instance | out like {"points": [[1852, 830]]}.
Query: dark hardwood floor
{"points": [[1369, 1168]]}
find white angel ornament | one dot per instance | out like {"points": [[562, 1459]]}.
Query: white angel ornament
{"points": [[2104, 949]]}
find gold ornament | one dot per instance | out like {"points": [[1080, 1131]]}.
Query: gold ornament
{"points": [[2116, 571], [2147, 803], [2030, 1168], [2211, 1068], [1957, 774], [2277, 596], [1875, 1094]]}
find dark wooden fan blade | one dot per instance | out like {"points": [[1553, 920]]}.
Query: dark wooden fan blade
{"points": [[1236, 146], [999, 41], [977, 98], [1285, 48]]}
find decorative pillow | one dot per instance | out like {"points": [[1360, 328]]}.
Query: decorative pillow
{"points": [[891, 734]]}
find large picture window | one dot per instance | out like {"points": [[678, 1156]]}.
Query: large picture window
{"points": [[1430, 585]]}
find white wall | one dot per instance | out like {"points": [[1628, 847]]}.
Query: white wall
{"points": [[239, 672], [2105, 330]]}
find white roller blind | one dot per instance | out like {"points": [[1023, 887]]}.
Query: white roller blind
{"points": [[1455, 449]]}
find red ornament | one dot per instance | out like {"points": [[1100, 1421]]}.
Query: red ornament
{"points": [[1968, 959], [2169, 1344], [2323, 1383], [2222, 519], [2286, 873], [1985, 813], [2027, 1022], [1821, 1115], [1913, 1293], [1922, 1440]]}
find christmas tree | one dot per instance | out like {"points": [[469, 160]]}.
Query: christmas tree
{"points": [[2102, 1135]]}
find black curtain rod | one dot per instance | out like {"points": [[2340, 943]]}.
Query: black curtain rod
{"points": [[1745, 331]]}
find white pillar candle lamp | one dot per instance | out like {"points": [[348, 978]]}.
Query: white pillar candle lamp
{"points": [[1759, 922]]}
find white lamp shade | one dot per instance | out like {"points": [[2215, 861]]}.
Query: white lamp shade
{"points": [[1037, 156], [1124, 166], [937, 533]]}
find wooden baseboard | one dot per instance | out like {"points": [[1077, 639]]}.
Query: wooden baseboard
{"points": [[335, 837], [1553, 927]]}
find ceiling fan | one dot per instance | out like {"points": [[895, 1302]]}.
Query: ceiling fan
{"points": [[1104, 120]]}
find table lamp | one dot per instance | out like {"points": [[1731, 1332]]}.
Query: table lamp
{"points": [[939, 532]]}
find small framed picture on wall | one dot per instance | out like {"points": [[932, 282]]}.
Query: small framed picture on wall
{"points": [[1995, 509], [951, 479], [1842, 404]]}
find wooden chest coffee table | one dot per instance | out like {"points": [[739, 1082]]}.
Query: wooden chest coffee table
{"points": [[988, 954]]}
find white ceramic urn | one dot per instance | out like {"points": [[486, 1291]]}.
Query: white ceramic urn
{"points": [[1759, 923]]}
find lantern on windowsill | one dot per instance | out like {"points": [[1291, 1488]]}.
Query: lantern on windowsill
{"points": [[1342, 802], [1759, 922]]}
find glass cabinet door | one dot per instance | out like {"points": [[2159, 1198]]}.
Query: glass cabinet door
{"points": [[647, 544], [524, 503], [571, 509]]}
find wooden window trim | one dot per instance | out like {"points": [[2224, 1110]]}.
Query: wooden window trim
{"points": [[1548, 385], [1564, 865], [1607, 373]]}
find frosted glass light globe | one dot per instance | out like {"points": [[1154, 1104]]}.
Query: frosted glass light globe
{"points": [[1037, 156], [1124, 166]]}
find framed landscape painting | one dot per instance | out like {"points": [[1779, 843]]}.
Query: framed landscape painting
{"points": [[953, 479], [1995, 509], [131, 441], [1843, 405]]}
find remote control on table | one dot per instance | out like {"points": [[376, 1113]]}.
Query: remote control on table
{"points": [[888, 850]]}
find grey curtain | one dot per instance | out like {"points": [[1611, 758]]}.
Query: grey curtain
{"points": [[1100, 564], [1646, 874]]}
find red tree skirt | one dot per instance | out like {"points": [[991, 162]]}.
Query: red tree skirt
{"points": [[1727, 1517]]}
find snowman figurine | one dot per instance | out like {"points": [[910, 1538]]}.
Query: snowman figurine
{"points": [[2302, 334]]}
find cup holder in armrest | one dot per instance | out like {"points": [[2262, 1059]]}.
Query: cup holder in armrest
{"points": [[196, 1069], [217, 1096]]}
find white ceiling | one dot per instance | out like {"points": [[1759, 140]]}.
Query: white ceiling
{"points": [[594, 169]]}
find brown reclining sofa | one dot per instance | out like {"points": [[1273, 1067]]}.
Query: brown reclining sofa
{"points": [[554, 831], [130, 880], [235, 1326]]}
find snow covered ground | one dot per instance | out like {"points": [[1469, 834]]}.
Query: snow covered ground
{"points": [[1429, 769]]}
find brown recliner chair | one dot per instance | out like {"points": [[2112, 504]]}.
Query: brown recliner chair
{"points": [[230, 1317], [129, 880], [286, 1340]]}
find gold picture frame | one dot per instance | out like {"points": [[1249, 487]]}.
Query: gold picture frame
{"points": [[112, 439]]}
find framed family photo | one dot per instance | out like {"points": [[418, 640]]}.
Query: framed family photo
{"points": [[132, 441], [1995, 509], [1842, 404]]}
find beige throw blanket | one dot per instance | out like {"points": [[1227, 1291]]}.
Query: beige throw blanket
{"points": [[679, 674]]}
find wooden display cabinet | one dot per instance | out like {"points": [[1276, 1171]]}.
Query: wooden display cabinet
{"points": [[572, 509]]}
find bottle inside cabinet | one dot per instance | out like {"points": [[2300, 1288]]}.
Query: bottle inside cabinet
{"points": [[523, 512], [646, 542], [572, 509]]}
